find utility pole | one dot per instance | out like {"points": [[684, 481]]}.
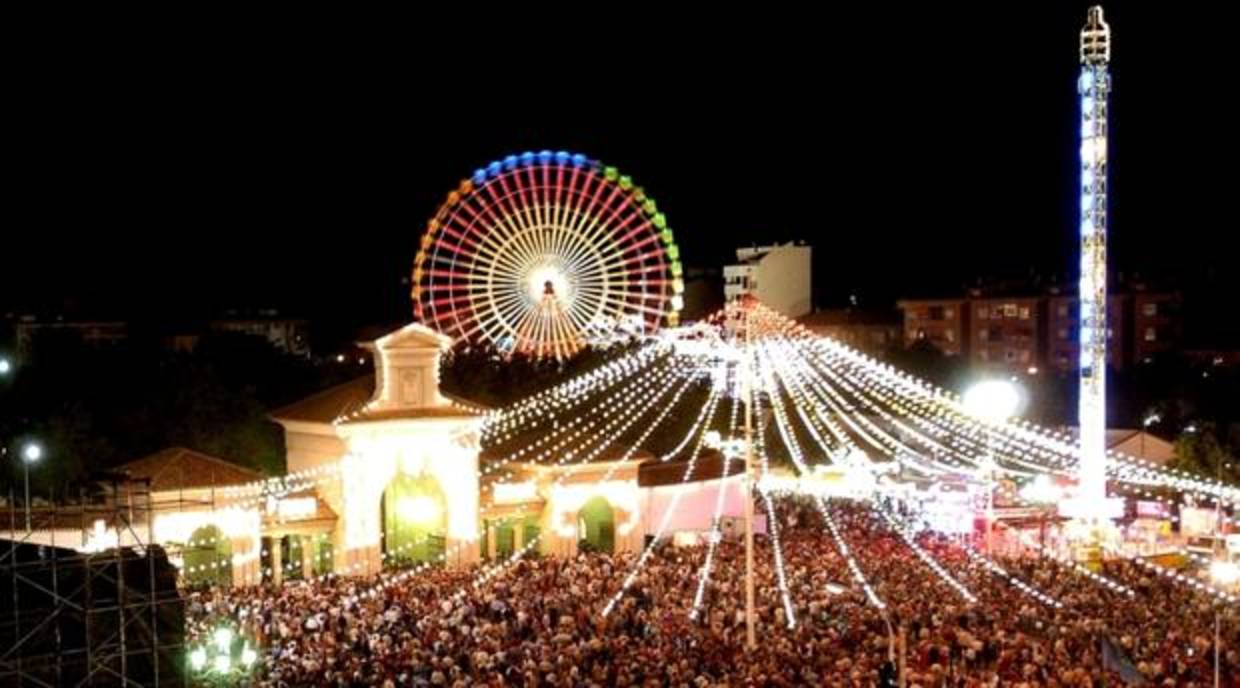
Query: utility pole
{"points": [[903, 667], [751, 641]]}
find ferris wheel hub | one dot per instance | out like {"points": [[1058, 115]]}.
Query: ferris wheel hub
{"points": [[548, 279]]}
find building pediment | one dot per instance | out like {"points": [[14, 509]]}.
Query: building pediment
{"points": [[407, 370], [411, 336]]}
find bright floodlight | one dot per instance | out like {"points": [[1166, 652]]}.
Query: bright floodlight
{"points": [[223, 639], [32, 452], [1225, 573], [5, 366], [993, 400], [198, 658]]}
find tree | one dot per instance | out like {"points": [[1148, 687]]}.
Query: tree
{"points": [[94, 408], [1202, 453]]}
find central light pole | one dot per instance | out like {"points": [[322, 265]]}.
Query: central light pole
{"points": [[994, 401], [751, 638]]}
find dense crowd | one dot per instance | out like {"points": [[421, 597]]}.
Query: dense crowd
{"points": [[539, 622]]}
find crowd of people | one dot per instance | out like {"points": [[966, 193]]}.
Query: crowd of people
{"points": [[540, 621]]}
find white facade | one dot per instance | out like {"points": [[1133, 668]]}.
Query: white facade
{"points": [[780, 276], [407, 428]]}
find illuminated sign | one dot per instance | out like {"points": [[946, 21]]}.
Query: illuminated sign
{"points": [[296, 507], [511, 493]]}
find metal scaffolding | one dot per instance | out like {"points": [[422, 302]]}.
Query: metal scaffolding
{"points": [[79, 613]]}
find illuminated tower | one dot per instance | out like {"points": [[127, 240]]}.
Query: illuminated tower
{"points": [[1094, 85]]}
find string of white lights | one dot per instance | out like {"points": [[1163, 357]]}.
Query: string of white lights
{"points": [[607, 436], [1125, 468], [940, 457], [571, 393], [625, 403], [637, 389], [842, 547], [653, 543], [1060, 449], [792, 378], [1019, 584], [492, 572], [1204, 588], [777, 548], [881, 440], [712, 542], [332, 472], [970, 438], [926, 558], [1069, 564], [489, 573], [541, 405], [862, 393], [961, 449], [836, 406], [1057, 448]]}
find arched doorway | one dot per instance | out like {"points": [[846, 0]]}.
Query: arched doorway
{"points": [[415, 520], [207, 557], [511, 531], [596, 526]]}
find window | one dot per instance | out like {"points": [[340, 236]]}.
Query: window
{"points": [[1024, 312], [949, 313], [1009, 310], [936, 312], [1149, 310], [983, 334], [1009, 355], [1024, 356], [1063, 333], [951, 335], [982, 313], [1151, 334], [1063, 310]]}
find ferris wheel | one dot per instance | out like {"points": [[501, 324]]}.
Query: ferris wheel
{"points": [[535, 252]]}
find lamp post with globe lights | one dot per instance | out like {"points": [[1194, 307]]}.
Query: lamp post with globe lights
{"points": [[993, 401], [1225, 573]]}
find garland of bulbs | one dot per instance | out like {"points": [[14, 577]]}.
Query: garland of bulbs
{"points": [[777, 548], [712, 404]]}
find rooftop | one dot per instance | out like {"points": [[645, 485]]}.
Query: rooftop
{"points": [[178, 468]]}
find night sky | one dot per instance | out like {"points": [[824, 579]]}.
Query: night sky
{"points": [[914, 149]]}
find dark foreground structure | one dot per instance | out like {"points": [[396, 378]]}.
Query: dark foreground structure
{"points": [[69, 618]]}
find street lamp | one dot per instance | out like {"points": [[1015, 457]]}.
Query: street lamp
{"points": [[994, 401], [1225, 573], [31, 453], [6, 366]]}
